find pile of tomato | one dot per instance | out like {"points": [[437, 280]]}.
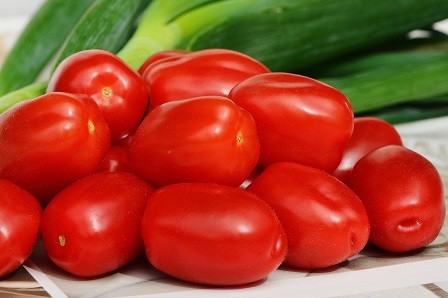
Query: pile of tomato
{"points": [[214, 167]]}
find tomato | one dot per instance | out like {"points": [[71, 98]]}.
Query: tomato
{"points": [[324, 221], [212, 234], [51, 141], [200, 73], [124, 142], [369, 133], [20, 215], [404, 197], [119, 91], [93, 226], [202, 139], [116, 160], [298, 118], [160, 56]]}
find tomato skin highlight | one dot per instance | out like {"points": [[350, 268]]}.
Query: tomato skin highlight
{"points": [[93, 226], [51, 141], [201, 139], [369, 133], [404, 197], [119, 91], [324, 221], [299, 119], [200, 73], [20, 216], [212, 234]]}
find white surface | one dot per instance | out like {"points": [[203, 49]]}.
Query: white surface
{"points": [[14, 8]]}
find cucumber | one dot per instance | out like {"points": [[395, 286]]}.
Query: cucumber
{"points": [[39, 41]]}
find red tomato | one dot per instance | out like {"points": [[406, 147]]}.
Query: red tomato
{"points": [[202, 139], [116, 160], [201, 73], [404, 197], [325, 222], [298, 119], [124, 142], [369, 133], [119, 91], [93, 226], [212, 234], [51, 141], [160, 56], [20, 215]]}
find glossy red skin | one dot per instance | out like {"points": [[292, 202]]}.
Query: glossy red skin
{"points": [[20, 215], [159, 56], [119, 91], [298, 119], [202, 139], [200, 73], [93, 226], [52, 141], [124, 142], [324, 221], [212, 234], [116, 160], [404, 197], [369, 133]]}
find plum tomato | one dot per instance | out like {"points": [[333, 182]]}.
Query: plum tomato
{"points": [[20, 216], [161, 56], [212, 234], [93, 226], [51, 141], [201, 139], [119, 91], [116, 160], [324, 221], [299, 119], [200, 73], [369, 133], [404, 197]]}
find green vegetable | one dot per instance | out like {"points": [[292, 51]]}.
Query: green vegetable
{"points": [[412, 111], [16, 96], [38, 42], [385, 79], [286, 35], [112, 21], [106, 25]]}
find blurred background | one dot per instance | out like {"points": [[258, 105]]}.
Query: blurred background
{"points": [[13, 17]]}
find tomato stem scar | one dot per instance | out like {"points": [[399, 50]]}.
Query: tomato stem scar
{"points": [[91, 126], [61, 239], [239, 138], [107, 92]]}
